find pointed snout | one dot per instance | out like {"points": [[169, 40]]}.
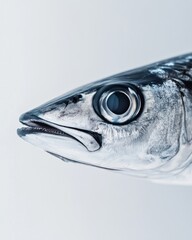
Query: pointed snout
{"points": [[28, 118]]}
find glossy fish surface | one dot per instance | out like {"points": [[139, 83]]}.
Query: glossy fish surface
{"points": [[137, 122]]}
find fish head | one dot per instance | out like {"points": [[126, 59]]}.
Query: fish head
{"points": [[129, 122]]}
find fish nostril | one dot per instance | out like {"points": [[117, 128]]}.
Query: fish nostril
{"points": [[75, 99]]}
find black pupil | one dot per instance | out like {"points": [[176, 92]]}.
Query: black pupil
{"points": [[118, 103]]}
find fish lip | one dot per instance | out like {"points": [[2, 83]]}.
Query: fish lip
{"points": [[23, 131], [35, 125]]}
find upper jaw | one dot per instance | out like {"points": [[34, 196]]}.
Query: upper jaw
{"points": [[91, 140]]}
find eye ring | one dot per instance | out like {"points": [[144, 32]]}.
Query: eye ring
{"points": [[118, 104]]}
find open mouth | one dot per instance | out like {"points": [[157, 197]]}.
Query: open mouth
{"points": [[35, 125]]}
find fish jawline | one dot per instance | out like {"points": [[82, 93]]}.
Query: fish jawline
{"points": [[90, 140]]}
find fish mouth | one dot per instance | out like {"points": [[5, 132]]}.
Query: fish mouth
{"points": [[35, 125]]}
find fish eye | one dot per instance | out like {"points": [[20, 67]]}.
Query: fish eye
{"points": [[117, 104]]}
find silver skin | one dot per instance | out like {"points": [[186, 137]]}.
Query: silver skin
{"points": [[155, 144]]}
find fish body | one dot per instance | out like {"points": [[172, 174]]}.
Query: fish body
{"points": [[137, 122]]}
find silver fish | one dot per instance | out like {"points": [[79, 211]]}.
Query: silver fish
{"points": [[137, 122]]}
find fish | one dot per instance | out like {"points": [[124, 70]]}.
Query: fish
{"points": [[138, 122]]}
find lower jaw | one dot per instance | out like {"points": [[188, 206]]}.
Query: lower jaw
{"points": [[62, 145]]}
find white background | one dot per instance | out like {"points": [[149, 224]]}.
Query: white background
{"points": [[47, 48]]}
